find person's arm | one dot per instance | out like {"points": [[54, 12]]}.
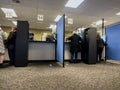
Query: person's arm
{"points": [[105, 44], [68, 39]]}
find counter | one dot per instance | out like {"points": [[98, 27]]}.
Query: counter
{"points": [[41, 50]]}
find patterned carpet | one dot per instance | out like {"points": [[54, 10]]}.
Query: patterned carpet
{"points": [[50, 76]]}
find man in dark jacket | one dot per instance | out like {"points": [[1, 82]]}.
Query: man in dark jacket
{"points": [[11, 45], [100, 46], [75, 41]]}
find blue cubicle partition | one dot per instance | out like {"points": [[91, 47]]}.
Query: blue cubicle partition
{"points": [[113, 42], [60, 40]]}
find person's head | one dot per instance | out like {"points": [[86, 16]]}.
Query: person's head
{"points": [[98, 35]]}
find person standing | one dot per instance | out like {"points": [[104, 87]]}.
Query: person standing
{"points": [[100, 46], [75, 41], [11, 45], [2, 46]]}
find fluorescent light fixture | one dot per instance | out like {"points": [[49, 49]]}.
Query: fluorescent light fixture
{"points": [[14, 22], [92, 24], [100, 22], [73, 3], [65, 17], [118, 13], [57, 18], [52, 26], [81, 29], [9, 12]]}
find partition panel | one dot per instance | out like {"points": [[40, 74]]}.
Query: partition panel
{"points": [[60, 40], [113, 42]]}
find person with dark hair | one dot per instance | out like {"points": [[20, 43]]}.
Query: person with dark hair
{"points": [[75, 41], [50, 38], [100, 46], [31, 36], [10, 43]]}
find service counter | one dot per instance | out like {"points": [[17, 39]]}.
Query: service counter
{"points": [[42, 50]]}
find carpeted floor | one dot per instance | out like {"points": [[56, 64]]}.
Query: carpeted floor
{"points": [[50, 76]]}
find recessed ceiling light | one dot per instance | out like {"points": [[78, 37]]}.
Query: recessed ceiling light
{"points": [[73, 3], [92, 24], [118, 13], [14, 22], [65, 17], [52, 26], [81, 29], [9, 12], [57, 18], [100, 22]]}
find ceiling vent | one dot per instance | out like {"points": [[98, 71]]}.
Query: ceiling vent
{"points": [[16, 1]]}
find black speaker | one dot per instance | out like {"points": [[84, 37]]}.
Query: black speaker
{"points": [[21, 48], [89, 46]]}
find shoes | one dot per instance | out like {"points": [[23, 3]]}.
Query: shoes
{"points": [[11, 64], [70, 61], [75, 61], [98, 61], [102, 60]]}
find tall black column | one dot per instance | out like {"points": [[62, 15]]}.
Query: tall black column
{"points": [[103, 26], [21, 49], [89, 47], [92, 57]]}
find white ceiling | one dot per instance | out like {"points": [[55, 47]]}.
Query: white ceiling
{"points": [[89, 11]]}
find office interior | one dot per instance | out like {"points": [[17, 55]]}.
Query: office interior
{"points": [[37, 65], [39, 23]]}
